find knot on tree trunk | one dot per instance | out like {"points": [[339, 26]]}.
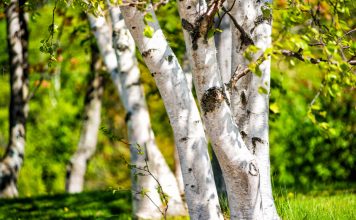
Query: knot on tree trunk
{"points": [[212, 99]]}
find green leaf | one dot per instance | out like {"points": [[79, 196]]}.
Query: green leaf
{"points": [[262, 90], [148, 31], [274, 107]]}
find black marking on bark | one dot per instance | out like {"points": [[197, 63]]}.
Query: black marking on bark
{"points": [[260, 20], [252, 169], [197, 122], [243, 98], [243, 134], [6, 177], [122, 47], [189, 7], [190, 169], [153, 74], [212, 99], [133, 27], [170, 59], [192, 186], [128, 116], [138, 83], [16, 168], [187, 26], [254, 140], [147, 52], [193, 30], [183, 139]]}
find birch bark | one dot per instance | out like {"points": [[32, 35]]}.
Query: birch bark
{"points": [[138, 121], [122, 64], [17, 38], [178, 169], [239, 166], [249, 107], [184, 116], [91, 121], [223, 47]]}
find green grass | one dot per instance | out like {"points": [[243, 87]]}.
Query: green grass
{"points": [[317, 204], [87, 205], [292, 204]]}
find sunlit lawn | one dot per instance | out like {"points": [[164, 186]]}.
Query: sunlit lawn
{"points": [[319, 204], [292, 204]]}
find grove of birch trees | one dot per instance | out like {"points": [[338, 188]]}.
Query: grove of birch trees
{"points": [[209, 65]]}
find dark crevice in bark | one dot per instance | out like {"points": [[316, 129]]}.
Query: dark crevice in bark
{"points": [[212, 99], [254, 143], [147, 52]]}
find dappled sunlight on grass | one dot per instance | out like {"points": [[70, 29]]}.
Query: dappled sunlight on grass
{"points": [[88, 205]]}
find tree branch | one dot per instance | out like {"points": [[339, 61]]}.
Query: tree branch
{"points": [[245, 37]]}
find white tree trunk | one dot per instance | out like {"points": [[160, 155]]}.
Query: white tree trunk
{"points": [[17, 37], [125, 75], [223, 45], [239, 166], [91, 121], [178, 168], [138, 117], [184, 116], [250, 108]]}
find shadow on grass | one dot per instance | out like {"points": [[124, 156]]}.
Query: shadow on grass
{"points": [[87, 205]]}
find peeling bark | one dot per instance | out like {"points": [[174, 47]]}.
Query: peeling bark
{"points": [[91, 121], [17, 38], [184, 116]]}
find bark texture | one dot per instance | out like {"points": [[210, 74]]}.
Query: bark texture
{"points": [[250, 108], [138, 121], [238, 164], [91, 121], [223, 46], [200, 192], [122, 65], [17, 38]]}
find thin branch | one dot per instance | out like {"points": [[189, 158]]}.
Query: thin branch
{"points": [[238, 74], [301, 57], [32, 94], [245, 37]]}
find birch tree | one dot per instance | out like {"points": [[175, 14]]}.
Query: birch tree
{"points": [[239, 163], [91, 121], [17, 38], [119, 57], [249, 96], [200, 191]]}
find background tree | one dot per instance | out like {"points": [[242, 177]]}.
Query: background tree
{"points": [[91, 121], [17, 38]]}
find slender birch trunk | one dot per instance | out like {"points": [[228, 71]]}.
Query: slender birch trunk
{"points": [[17, 38], [250, 108], [223, 46], [138, 120], [126, 77], [238, 164], [91, 121], [178, 168], [184, 116]]}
